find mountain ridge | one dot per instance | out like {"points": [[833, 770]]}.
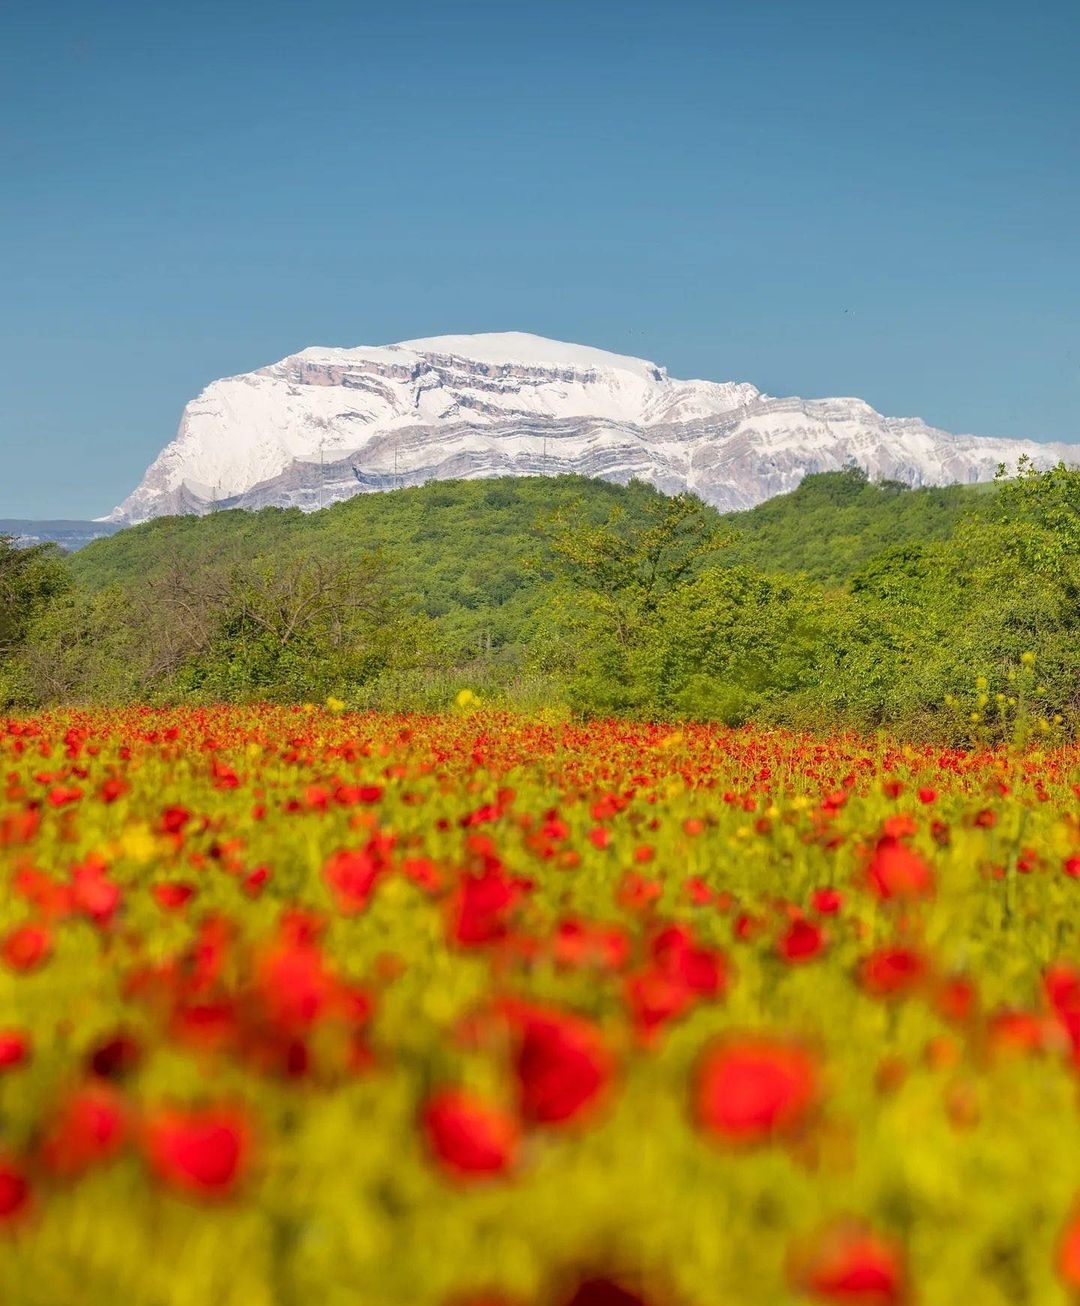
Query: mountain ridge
{"points": [[327, 423]]}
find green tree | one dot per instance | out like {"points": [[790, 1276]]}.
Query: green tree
{"points": [[30, 578]]}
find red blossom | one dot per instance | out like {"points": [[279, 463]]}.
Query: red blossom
{"points": [[1061, 985], [751, 1089], [14, 1189], [14, 1048], [202, 1151], [802, 941], [851, 1263], [482, 906], [893, 972], [1068, 1251], [469, 1137], [826, 902], [114, 1057], [351, 875], [174, 818], [171, 895], [895, 871], [92, 892], [26, 947], [88, 1128], [563, 1065]]}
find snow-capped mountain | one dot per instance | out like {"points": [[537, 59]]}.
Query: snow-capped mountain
{"points": [[326, 424]]}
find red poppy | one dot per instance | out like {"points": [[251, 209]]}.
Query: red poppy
{"points": [[173, 819], [955, 999], [851, 1263], [293, 984], [351, 875], [14, 1048], [1068, 1252], [895, 871], [603, 1292], [468, 1136], [93, 893], [753, 1088], [826, 902], [114, 1057], [801, 941], [26, 947], [563, 1065], [1062, 987], [483, 906], [202, 1151], [88, 1128], [171, 896], [893, 972], [699, 969], [14, 1189], [1020, 1032], [654, 998]]}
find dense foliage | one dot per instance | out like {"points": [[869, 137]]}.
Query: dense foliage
{"points": [[842, 604], [483, 1010]]}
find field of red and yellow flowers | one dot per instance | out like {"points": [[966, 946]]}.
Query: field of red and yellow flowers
{"points": [[314, 1007]]}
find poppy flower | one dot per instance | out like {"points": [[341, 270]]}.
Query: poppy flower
{"points": [[1068, 1251], [172, 895], [202, 1151], [753, 1088], [895, 871], [1013, 1032], [893, 972], [603, 1292], [851, 1263], [801, 941], [174, 818], [26, 947], [350, 875], [93, 893], [698, 969], [88, 1128], [483, 906], [1062, 987], [467, 1136], [563, 1066], [14, 1189], [826, 902], [654, 998], [956, 999], [294, 984], [114, 1057], [14, 1048]]}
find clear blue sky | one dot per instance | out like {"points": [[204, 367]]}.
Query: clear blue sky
{"points": [[834, 198]]}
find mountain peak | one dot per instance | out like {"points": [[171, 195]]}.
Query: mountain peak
{"points": [[502, 349], [328, 423]]}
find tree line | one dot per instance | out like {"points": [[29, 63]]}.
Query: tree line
{"points": [[942, 614]]}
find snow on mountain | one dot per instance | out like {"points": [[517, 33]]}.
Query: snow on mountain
{"points": [[326, 423]]}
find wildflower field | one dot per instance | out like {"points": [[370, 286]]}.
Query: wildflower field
{"points": [[312, 1007]]}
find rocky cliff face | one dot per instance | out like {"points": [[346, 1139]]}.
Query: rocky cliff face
{"points": [[326, 424]]}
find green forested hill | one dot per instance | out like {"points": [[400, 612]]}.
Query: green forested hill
{"points": [[834, 523], [471, 555], [843, 602], [471, 543]]}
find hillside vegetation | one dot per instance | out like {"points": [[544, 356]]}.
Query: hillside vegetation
{"points": [[841, 603]]}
